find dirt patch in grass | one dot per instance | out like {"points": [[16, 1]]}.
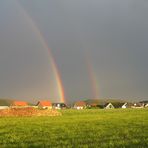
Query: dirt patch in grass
{"points": [[21, 112]]}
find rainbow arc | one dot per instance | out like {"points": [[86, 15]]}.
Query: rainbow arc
{"points": [[58, 80]]}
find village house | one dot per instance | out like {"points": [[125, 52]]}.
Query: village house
{"points": [[146, 105], [124, 105], [127, 105], [44, 105], [59, 106], [80, 105], [138, 105], [19, 104], [109, 106]]}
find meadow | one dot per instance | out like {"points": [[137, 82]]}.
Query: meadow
{"points": [[116, 128]]}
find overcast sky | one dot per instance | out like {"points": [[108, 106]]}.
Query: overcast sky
{"points": [[110, 35]]}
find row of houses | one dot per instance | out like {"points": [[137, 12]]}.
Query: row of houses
{"points": [[83, 105], [40, 104], [77, 105]]}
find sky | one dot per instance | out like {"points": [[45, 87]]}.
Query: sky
{"points": [[100, 49]]}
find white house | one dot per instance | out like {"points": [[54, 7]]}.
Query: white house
{"points": [[146, 105], [138, 105], [59, 106], [124, 105], [109, 106], [80, 105], [127, 105]]}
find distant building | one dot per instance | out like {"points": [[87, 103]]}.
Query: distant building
{"points": [[124, 105], [19, 104], [146, 105], [109, 106], [59, 106], [138, 105], [44, 104], [4, 107], [127, 105], [80, 105], [93, 105]]}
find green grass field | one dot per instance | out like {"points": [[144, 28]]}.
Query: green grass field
{"points": [[86, 128]]}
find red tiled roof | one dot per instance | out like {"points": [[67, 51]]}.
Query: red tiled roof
{"points": [[80, 103], [44, 103], [19, 103]]}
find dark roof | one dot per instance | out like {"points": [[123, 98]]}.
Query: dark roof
{"points": [[108, 104], [117, 104], [59, 105]]}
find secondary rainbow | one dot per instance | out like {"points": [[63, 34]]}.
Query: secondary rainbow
{"points": [[93, 78]]}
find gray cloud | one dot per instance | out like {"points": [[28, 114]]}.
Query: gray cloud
{"points": [[113, 32]]}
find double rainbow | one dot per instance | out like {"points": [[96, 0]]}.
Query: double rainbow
{"points": [[58, 80]]}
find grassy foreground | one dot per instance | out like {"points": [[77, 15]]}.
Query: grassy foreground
{"points": [[86, 128]]}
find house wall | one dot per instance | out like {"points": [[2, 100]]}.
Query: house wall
{"points": [[47, 107], [124, 106], [44, 107], [19, 106], [109, 106], [79, 107], [4, 107]]}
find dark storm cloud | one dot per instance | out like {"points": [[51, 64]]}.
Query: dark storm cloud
{"points": [[114, 32]]}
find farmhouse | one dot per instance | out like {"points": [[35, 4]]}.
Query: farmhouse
{"points": [[124, 105], [80, 105], [59, 105], [109, 106], [44, 104], [127, 105], [19, 104], [138, 105], [146, 105]]}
